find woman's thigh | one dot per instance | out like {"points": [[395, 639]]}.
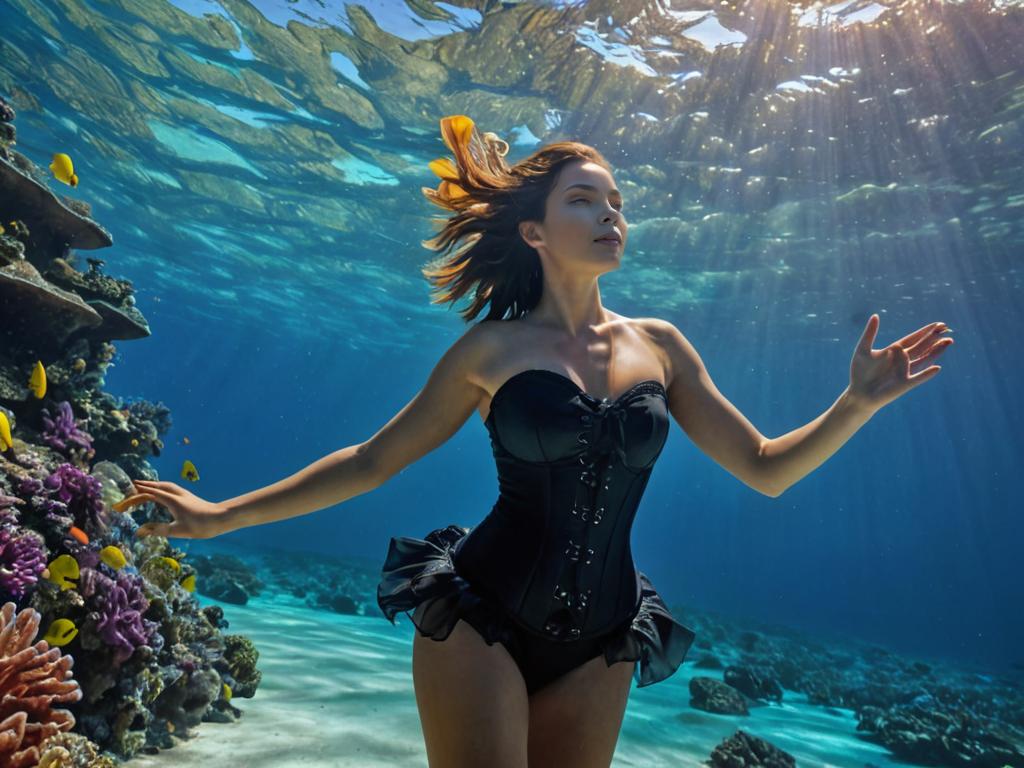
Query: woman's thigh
{"points": [[472, 701], [575, 720]]}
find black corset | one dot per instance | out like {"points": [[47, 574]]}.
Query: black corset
{"points": [[572, 469]]}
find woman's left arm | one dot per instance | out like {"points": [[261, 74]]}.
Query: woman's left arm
{"points": [[771, 465]]}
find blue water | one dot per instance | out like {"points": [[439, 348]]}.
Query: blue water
{"points": [[263, 194]]}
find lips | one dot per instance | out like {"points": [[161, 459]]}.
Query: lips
{"points": [[609, 239]]}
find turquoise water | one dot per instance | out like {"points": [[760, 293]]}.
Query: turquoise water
{"points": [[788, 169]]}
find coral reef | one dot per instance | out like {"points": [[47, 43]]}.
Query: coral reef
{"points": [[34, 678], [22, 560], [149, 661]]}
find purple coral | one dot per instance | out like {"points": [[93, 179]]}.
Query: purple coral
{"points": [[117, 607], [61, 431], [22, 559], [80, 494]]}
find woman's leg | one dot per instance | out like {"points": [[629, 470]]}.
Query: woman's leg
{"points": [[472, 701], [575, 720]]}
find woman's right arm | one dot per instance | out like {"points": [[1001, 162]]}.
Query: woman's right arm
{"points": [[436, 413]]}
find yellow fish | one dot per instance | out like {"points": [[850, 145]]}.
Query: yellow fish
{"points": [[444, 168], [37, 382], [63, 571], [456, 130], [113, 557], [61, 632], [189, 471], [172, 562], [227, 692], [63, 169], [189, 583], [6, 442], [135, 443], [2, 230]]}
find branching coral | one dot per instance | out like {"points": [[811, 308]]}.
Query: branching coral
{"points": [[61, 431], [33, 678], [116, 608], [68, 496], [22, 560]]}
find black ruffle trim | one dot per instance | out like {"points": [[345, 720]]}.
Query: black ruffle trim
{"points": [[419, 579]]}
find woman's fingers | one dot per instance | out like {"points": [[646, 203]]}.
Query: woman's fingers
{"points": [[161, 485], [158, 529]]}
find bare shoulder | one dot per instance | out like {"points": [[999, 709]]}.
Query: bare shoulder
{"points": [[682, 363], [493, 346], [471, 350]]}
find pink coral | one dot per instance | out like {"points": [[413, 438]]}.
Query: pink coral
{"points": [[33, 678]]}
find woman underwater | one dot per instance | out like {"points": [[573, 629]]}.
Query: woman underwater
{"points": [[536, 619]]}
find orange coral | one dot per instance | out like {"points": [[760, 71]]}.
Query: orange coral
{"points": [[33, 678]]}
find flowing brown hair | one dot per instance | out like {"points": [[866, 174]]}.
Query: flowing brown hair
{"points": [[489, 199]]}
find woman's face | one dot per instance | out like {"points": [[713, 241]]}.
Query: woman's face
{"points": [[582, 207]]}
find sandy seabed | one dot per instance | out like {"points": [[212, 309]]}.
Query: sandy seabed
{"points": [[337, 691]]}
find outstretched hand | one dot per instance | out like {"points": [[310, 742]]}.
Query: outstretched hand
{"points": [[194, 518], [878, 377]]}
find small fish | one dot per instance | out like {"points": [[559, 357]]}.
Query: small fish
{"points": [[172, 562], [79, 365], [79, 534], [37, 381], [2, 230], [457, 132], [62, 571], [189, 471], [6, 442], [135, 442], [61, 632], [189, 583], [227, 692], [186, 441], [113, 557], [63, 169], [444, 168]]}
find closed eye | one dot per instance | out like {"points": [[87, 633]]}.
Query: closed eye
{"points": [[585, 200]]}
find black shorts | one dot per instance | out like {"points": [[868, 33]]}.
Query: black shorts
{"points": [[540, 660], [419, 579]]}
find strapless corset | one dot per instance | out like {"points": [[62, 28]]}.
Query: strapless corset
{"points": [[572, 468]]}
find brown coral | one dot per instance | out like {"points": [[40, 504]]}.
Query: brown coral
{"points": [[72, 750], [33, 678]]}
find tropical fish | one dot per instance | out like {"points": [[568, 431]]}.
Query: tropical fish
{"points": [[457, 132], [37, 381], [227, 692], [79, 534], [189, 583], [79, 365], [63, 169], [444, 168], [189, 471], [113, 557], [2, 230], [186, 441], [135, 442], [62, 571], [61, 632], [6, 442], [172, 562], [456, 129]]}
